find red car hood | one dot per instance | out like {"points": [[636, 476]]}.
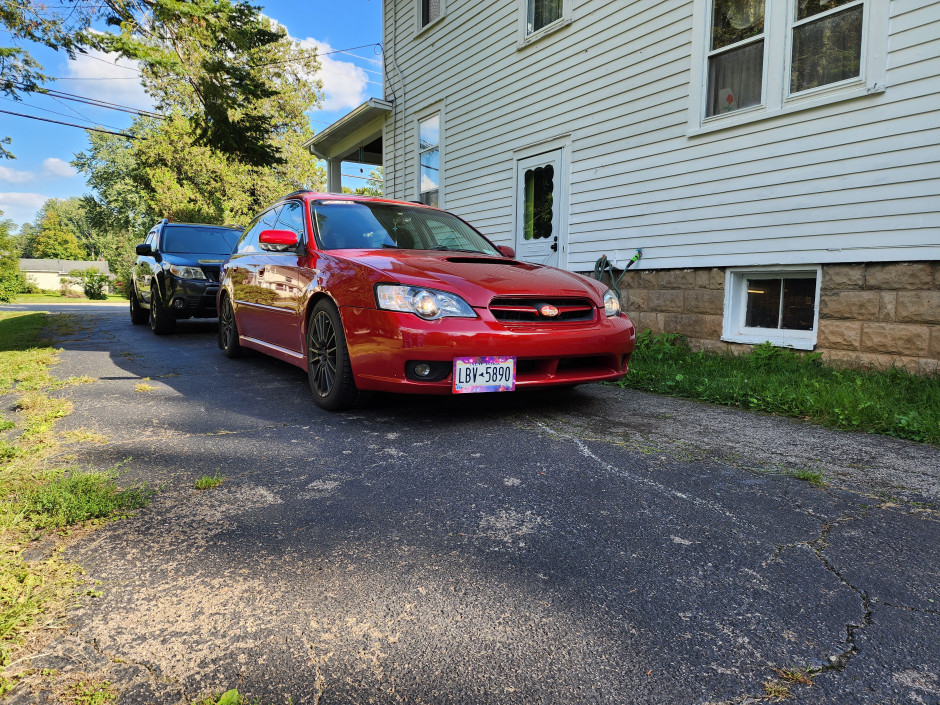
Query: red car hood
{"points": [[476, 278]]}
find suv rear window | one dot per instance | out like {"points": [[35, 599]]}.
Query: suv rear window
{"points": [[196, 239]]}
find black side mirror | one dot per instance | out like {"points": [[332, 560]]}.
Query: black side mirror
{"points": [[144, 250]]}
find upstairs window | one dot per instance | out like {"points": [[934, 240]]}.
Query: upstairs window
{"points": [[429, 160], [430, 11], [736, 59], [760, 57], [541, 13], [827, 43]]}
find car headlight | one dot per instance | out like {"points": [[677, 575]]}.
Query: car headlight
{"points": [[187, 272], [428, 304], [611, 303]]}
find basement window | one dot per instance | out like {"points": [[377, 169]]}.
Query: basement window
{"points": [[776, 305]]}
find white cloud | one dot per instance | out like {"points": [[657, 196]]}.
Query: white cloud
{"points": [[106, 77], [15, 176], [344, 83], [56, 167], [52, 168], [21, 207]]}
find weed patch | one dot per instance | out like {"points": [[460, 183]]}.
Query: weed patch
{"points": [[209, 481], [38, 499], [813, 477], [144, 387], [780, 381], [80, 495]]}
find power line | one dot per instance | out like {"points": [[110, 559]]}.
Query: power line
{"points": [[71, 124], [54, 112]]}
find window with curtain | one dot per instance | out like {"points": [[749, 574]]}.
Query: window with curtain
{"points": [[430, 11], [541, 13], [760, 53], [429, 160], [736, 59]]}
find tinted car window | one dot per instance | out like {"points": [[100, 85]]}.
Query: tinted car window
{"points": [[360, 225], [188, 239], [292, 218]]}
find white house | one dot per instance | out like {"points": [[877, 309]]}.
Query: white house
{"points": [[49, 274], [776, 161]]}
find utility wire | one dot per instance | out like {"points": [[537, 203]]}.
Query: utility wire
{"points": [[54, 112], [71, 124]]}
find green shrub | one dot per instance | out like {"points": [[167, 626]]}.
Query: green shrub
{"points": [[92, 281]]}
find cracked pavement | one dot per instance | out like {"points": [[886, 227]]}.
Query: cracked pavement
{"points": [[591, 546]]}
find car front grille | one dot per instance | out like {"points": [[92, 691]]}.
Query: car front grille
{"points": [[533, 310], [212, 273]]}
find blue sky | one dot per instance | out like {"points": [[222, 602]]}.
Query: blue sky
{"points": [[44, 150]]}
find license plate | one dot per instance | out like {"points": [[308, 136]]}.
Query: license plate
{"points": [[484, 374]]}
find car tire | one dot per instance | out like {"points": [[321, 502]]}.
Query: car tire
{"points": [[139, 314], [161, 322], [328, 367], [228, 330]]}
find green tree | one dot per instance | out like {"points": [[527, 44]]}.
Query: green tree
{"points": [[219, 62], [373, 186], [54, 239], [12, 280]]}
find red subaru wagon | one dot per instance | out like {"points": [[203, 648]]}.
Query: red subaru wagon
{"points": [[369, 294]]}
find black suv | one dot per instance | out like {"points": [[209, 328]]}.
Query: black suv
{"points": [[176, 274]]}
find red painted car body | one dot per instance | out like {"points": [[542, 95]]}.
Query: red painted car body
{"points": [[552, 321]]}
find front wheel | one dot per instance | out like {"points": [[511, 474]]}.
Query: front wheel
{"points": [[161, 322], [328, 368], [139, 314], [228, 330]]}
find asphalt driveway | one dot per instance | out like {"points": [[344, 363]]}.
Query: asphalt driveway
{"points": [[591, 546]]}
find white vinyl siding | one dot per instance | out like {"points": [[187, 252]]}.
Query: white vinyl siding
{"points": [[852, 180]]}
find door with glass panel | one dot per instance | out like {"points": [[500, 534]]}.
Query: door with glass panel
{"points": [[539, 234]]}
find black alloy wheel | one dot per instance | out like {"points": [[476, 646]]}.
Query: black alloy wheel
{"points": [[228, 330], [328, 367], [139, 314], [161, 322]]}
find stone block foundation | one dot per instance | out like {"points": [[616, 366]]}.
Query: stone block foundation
{"points": [[870, 315]]}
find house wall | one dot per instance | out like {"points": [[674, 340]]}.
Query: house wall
{"points": [[853, 181], [870, 314]]}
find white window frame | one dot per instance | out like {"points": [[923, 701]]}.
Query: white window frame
{"points": [[733, 328], [779, 20], [429, 112], [432, 23], [526, 38]]}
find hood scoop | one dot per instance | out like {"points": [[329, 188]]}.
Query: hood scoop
{"points": [[483, 260]]}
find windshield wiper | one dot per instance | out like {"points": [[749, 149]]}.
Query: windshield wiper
{"points": [[445, 248]]}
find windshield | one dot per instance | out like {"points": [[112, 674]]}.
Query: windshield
{"points": [[362, 225], [197, 239]]}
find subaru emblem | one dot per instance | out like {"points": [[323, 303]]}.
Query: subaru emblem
{"points": [[548, 311]]}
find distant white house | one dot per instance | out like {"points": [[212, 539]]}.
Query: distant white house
{"points": [[777, 162], [49, 274]]}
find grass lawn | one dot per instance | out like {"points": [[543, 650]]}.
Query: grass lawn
{"points": [[39, 497], [779, 381], [59, 299]]}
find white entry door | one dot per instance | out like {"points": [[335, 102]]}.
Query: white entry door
{"points": [[540, 236]]}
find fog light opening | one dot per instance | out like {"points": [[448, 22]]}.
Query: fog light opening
{"points": [[423, 369], [179, 304]]}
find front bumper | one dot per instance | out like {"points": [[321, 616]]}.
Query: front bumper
{"points": [[191, 298], [383, 343]]}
